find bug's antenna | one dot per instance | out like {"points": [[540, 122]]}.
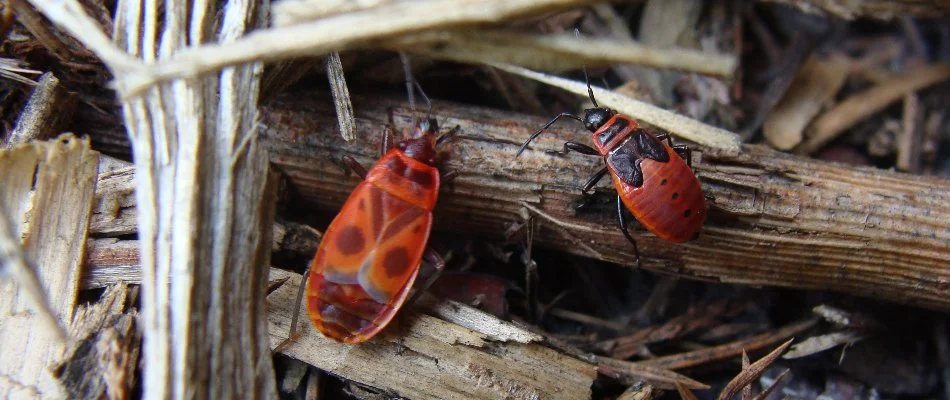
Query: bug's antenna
{"points": [[408, 76], [411, 83], [590, 92], [424, 98]]}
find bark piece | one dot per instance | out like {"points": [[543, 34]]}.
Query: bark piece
{"points": [[102, 360], [49, 109], [463, 354], [50, 218]]}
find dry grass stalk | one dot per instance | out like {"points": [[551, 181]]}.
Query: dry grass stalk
{"points": [[48, 195], [559, 52], [868, 102], [813, 87], [341, 96], [334, 33], [205, 208], [677, 124], [729, 350], [752, 372]]}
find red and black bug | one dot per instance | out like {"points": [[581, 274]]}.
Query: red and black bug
{"points": [[654, 180]]}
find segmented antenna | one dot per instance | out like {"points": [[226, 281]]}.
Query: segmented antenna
{"points": [[590, 92], [412, 83]]}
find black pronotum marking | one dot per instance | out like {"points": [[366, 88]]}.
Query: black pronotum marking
{"points": [[608, 134]]}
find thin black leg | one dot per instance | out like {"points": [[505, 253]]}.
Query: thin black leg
{"points": [[448, 135], [534, 135], [388, 131], [685, 152], [593, 180], [448, 177], [434, 261], [580, 148], [355, 166], [623, 228], [664, 135], [292, 334]]}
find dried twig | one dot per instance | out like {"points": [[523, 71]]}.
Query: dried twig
{"points": [[558, 52], [753, 372], [341, 96], [334, 33], [729, 350], [677, 124], [864, 104]]}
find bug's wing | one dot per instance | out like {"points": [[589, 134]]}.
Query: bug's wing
{"points": [[367, 261]]}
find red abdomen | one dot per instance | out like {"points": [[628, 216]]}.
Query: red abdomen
{"points": [[670, 203], [369, 256]]}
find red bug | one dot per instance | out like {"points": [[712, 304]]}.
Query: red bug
{"points": [[370, 254], [654, 180]]}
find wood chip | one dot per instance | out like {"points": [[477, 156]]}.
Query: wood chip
{"points": [[423, 357], [47, 197]]}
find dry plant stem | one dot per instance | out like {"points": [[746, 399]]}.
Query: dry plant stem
{"points": [[558, 52], [815, 84], [880, 9], [46, 202], [864, 104], [39, 28], [638, 392], [334, 33], [729, 350], [676, 124], [685, 393], [341, 96], [205, 209], [775, 219], [752, 372], [911, 141], [462, 354], [50, 107]]}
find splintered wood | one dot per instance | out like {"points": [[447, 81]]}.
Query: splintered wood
{"points": [[50, 218], [463, 354]]}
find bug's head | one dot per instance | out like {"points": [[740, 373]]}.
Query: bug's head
{"points": [[596, 117], [420, 141]]}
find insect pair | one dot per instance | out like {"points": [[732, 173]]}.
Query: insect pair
{"points": [[371, 253]]}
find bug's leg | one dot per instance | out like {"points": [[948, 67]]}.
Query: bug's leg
{"points": [[388, 131], [580, 148], [448, 177], [292, 334], [355, 166], [685, 152], [585, 191], [664, 135], [436, 264], [448, 135], [623, 228]]}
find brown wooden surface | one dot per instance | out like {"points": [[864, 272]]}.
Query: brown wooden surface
{"points": [[775, 219]]}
